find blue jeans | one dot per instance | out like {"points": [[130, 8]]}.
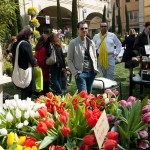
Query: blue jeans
{"points": [[56, 78], [85, 80]]}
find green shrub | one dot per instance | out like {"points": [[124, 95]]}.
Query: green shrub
{"points": [[7, 67]]}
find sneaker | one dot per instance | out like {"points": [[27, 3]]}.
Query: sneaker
{"points": [[137, 78]]}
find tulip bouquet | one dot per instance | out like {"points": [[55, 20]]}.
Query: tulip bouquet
{"points": [[132, 122], [19, 116]]}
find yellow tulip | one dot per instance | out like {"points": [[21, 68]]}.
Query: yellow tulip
{"points": [[27, 148], [10, 138], [21, 140], [34, 148], [19, 147]]}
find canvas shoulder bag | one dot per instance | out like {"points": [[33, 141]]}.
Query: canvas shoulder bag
{"points": [[52, 58], [20, 77]]}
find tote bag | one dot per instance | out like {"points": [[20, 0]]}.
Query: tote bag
{"points": [[52, 58], [38, 75], [20, 77]]}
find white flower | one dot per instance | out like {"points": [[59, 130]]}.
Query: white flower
{"points": [[32, 114], [2, 111], [3, 131], [27, 114], [16, 97], [104, 95], [9, 117], [37, 115], [18, 113], [106, 100], [19, 126], [25, 122]]}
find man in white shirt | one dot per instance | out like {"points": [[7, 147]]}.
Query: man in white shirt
{"points": [[105, 44]]}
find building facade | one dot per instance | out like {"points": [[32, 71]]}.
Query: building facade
{"points": [[138, 11], [91, 10]]}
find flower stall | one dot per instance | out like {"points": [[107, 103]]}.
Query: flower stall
{"points": [[67, 123]]}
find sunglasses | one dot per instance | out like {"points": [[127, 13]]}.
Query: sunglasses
{"points": [[103, 26], [83, 29]]}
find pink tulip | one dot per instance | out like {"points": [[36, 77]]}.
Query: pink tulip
{"points": [[110, 118], [112, 100], [143, 145], [146, 109], [148, 101], [108, 91], [129, 105], [143, 134], [146, 118], [123, 103], [115, 92], [131, 99]]}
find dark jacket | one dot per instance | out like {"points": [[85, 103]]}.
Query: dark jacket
{"points": [[59, 56], [25, 58], [128, 53], [140, 41]]}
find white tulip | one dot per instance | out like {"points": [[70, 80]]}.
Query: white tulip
{"points": [[104, 95], [37, 115], [19, 126], [106, 100], [9, 117], [2, 111], [3, 131], [5, 106], [16, 97], [27, 114], [18, 113], [25, 122], [32, 114]]}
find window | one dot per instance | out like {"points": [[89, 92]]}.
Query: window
{"points": [[133, 15]]}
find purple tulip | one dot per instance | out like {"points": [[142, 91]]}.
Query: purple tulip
{"points": [[143, 134], [123, 103], [129, 105], [143, 145], [131, 99], [110, 118], [146, 118], [117, 123], [146, 109]]}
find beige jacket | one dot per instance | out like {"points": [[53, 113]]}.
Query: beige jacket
{"points": [[75, 56]]}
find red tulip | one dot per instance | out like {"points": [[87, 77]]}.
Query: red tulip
{"points": [[110, 145], [62, 119], [49, 122], [65, 130], [112, 135], [42, 127], [89, 139], [83, 94], [84, 147], [146, 109], [42, 111], [29, 142], [88, 113], [92, 121]]}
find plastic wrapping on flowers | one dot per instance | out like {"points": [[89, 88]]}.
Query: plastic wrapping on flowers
{"points": [[66, 123]]}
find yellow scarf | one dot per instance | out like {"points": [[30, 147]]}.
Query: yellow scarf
{"points": [[103, 53]]}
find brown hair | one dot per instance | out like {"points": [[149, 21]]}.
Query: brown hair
{"points": [[41, 42], [13, 39], [54, 39], [24, 34]]}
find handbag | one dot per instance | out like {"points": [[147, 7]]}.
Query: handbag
{"points": [[145, 75], [38, 75], [52, 58], [20, 77]]}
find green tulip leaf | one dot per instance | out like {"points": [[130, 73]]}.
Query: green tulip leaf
{"points": [[46, 141], [145, 101]]}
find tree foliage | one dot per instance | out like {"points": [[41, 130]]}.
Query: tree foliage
{"points": [[113, 19], [74, 18], [104, 14], [59, 17], [127, 18], [119, 22], [7, 16]]}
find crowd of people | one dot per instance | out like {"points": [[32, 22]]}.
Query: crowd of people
{"points": [[86, 57]]}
